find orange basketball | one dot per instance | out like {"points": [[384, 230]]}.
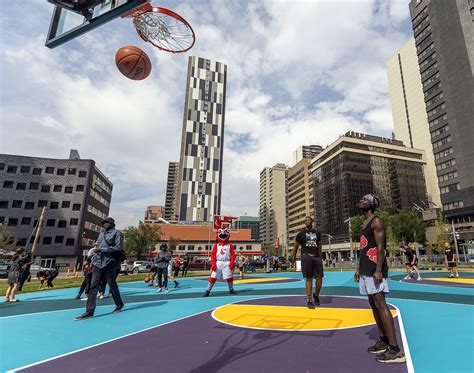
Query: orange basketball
{"points": [[146, 279], [133, 62]]}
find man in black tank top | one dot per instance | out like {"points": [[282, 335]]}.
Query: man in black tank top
{"points": [[311, 260], [372, 278]]}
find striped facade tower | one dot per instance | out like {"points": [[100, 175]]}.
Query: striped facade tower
{"points": [[202, 140]]}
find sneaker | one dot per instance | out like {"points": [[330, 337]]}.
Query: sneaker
{"points": [[316, 299], [419, 279], [310, 304], [85, 315], [379, 347], [118, 309], [232, 292], [391, 357], [457, 276], [77, 296], [206, 293], [84, 299], [159, 290], [101, 296], [451, 276], [407, 278], [176, 284], [166, 290]]}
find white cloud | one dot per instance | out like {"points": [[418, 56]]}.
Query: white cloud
{"points": [[298, 73]]}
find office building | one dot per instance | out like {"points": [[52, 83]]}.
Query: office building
{"points": [[202, 143], [357, 164], [273, 206], [306, 151], [171, 199], [76, 196], [409, 112], [444, 41]]}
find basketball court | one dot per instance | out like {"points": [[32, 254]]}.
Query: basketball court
{"points": [[266, 327]]}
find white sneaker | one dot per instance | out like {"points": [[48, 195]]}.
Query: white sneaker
{"points": [[101, 297], [84, 299], [166, 290], [457, 276], [419, 279], [451, 276], [159, 290], [407, 278]]}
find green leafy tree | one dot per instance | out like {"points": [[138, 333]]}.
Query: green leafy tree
{"points": [[270, 250], [441, 235], [140, 240], [6, 238], [173, 243], [356, 227], [408, 226]]}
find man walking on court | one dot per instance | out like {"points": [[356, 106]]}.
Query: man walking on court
{"points": [[311, 260], [105, 259], [450, 260], [372, 277]]}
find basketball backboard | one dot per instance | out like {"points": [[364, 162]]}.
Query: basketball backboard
{"points": [[72, 18]]}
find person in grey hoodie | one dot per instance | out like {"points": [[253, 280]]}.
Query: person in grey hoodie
{"points": [[106, 257], [162, 260]]}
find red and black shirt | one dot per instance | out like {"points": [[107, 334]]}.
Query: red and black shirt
{"points": [[369, 252]]}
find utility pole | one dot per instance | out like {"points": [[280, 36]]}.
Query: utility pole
{"points": [[455, 239], [38, 229]]}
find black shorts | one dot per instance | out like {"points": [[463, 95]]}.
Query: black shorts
{"points": [[408, 264], [311, 266], [452, 264]]}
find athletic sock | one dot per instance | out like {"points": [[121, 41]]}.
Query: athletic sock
{"points": [[394, 348], [211, 283], [230, 284]]}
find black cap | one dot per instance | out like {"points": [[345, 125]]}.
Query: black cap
{"points": [[108, 220]]}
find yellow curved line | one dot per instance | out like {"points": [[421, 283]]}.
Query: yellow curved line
{"points": [[262, 279], [469, 281], [293, 318]]}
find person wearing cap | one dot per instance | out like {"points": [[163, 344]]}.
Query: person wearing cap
{"points": [[162, 260], [372, 275], [104, 260]]}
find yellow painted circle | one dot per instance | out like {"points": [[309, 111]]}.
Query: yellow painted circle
{"points": [[293, 318], [469, 281], [261, 279]]}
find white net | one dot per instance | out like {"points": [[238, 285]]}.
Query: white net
{"points": [[164, 31]]}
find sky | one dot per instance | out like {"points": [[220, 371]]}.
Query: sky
{"points": [[298, 73]]}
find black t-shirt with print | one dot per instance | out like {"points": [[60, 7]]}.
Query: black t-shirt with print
{"points": [[449, 254], [308, 239], [409, 255]]}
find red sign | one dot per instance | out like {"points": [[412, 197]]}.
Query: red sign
{"points": [[277, 243]]}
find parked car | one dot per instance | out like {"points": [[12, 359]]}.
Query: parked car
{"points": [[35, 268], [199, 264], [126, 267], [141, 266], [4, 267]]}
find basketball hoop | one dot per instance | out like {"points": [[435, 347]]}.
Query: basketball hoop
{"points": [[163, 28]]}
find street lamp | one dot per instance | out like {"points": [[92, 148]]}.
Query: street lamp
{"points": [[349, 220], [329, 237]]}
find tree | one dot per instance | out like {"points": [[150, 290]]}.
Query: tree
{"points": [[356, 227], [408, 226], [440, 233], [173, 243], [270, 250], [6, 238], [140, 240]]}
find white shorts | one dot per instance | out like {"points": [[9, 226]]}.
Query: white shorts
{"points": [[367, 285], [170, 269], [223, 271]]}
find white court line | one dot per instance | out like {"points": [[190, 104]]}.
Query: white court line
{"points": [[101, 343], [406, 348]]}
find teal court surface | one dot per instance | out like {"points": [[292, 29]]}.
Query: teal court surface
{"points": [[265, 328]]}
